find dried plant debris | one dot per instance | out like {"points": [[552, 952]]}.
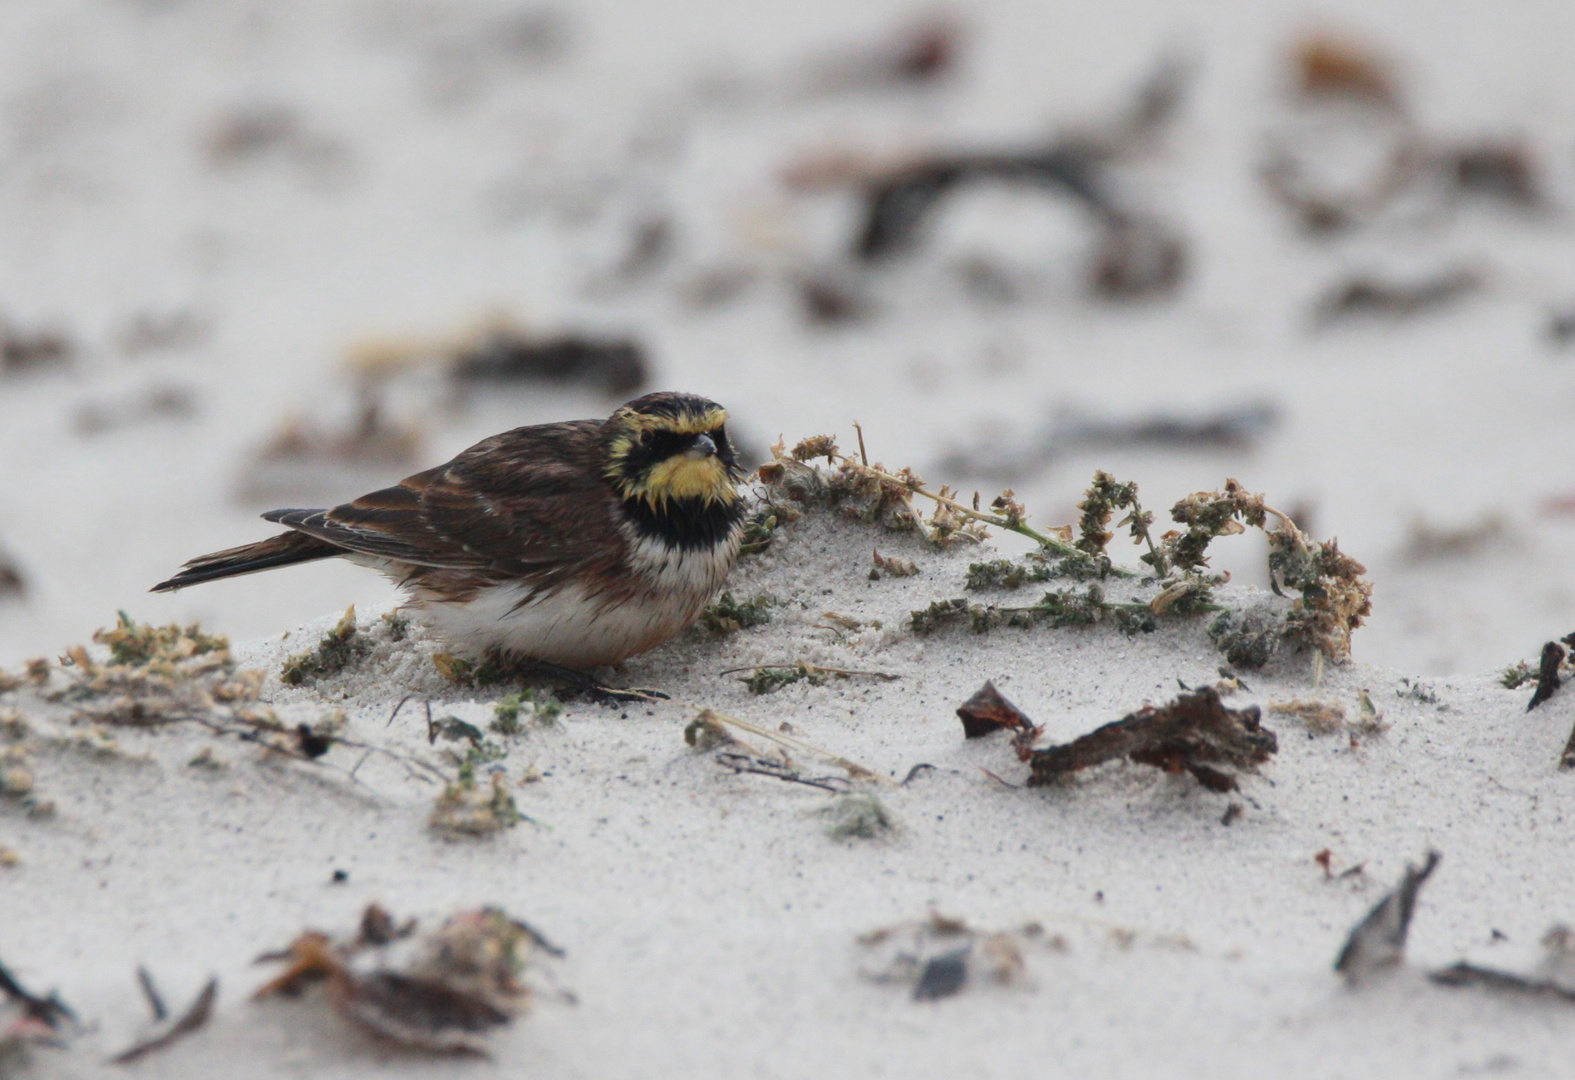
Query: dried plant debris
{"points": [[1426, 542], [27, 1019], [506, 354], [1377, 943], [259, 132], [13, 584], [922, 53], [940, 957], [729, 614], [310, 459], [1504, 170], [1229, 427], [1334, 598], [158, 402], [1548, 680], [858, 815], [156, 675], [1329, 717], [441, 992], [27, 351], [1135, 254], [472, 805], [516, 714], [988, 712], [1321, 717], [892, 566], [1196, 733], [195, 1016], [1368, 295], [342, 647], [1327, 64]]}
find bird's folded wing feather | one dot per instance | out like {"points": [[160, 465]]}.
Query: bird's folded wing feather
{"points": [[523, 502]]}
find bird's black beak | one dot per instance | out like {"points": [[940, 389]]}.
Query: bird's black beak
{"points": [[702, 447]]}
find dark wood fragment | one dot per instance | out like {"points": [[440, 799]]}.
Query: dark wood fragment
{"points": [[1195, 733]]}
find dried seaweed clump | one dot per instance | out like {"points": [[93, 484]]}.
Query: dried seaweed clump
{"points": [[877, 495], [941, 956], [730, 613], [858, 815], [1195, 733], [440, 992], [29, 1020], [471, 806], [517, 713], [340, 648], [156, 675]]}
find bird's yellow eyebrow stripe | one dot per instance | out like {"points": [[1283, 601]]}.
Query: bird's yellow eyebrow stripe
{"points": [[686, 424]]}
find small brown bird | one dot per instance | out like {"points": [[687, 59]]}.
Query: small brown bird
{"points": [[572, 545]]}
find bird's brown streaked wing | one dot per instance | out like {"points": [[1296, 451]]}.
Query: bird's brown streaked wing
{"points": [[518, 503]]}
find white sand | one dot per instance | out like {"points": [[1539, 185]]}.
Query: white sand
{"points": [[710, 923]]}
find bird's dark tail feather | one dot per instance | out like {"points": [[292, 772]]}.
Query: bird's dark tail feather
{"points": [[291, 547]]}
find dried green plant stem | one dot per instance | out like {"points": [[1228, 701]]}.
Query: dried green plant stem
{"points": [[1011, 523]]}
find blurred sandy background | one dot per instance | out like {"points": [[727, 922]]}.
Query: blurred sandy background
{"points": [[216, 219]]}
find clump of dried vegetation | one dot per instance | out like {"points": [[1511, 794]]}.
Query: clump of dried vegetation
{"points": [[442, 992], [1330, 596], [340, 648]]}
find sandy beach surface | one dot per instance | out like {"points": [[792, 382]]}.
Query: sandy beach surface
{"points": [[226, 216]]}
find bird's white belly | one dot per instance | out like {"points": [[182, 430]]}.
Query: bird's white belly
{"points": [[579, 628]]}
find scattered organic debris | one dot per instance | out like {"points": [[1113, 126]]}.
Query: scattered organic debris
{"points": [[1195, 733], [1556, 979], [1327, 64], [941, 956], [471, 805], [892, 566], [1321, 717], [1517, 675], [729, 613], [516, 713], [1464, 974], [195, 1016], [709, 729], [340, 648], [1233, 427], [152, 403], [156, 675], [1334, 599], [827, 300], [1425, 542], [1548, 681], [1378, 941], [305, 453], [988, 711], [24, 351], [858, 815], [706, 732], [440, 992], [254, 133], [505, 354], [1006, 574], [919, 54], [1501, 169], [13, 585], [1368, 295], [1369, 717], [769, 678], [26, 1019], [1136, 255]]}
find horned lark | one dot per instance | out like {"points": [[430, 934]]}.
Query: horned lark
{"points": [[573, 545]]}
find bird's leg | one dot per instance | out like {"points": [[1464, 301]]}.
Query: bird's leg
{"points": [[580, 681]]}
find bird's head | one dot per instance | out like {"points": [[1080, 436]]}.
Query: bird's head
{"points": [[668, 448]]}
